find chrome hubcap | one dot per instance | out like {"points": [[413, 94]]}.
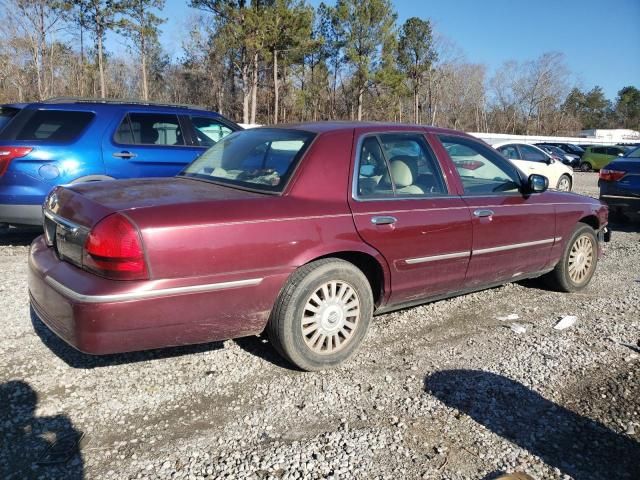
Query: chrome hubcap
{"points": [[564, 185], [580, 259], [330, 317]]}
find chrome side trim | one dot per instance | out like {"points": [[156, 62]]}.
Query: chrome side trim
{"points": [[121, 297], [557, 239], [435, 258], [512, 246]]}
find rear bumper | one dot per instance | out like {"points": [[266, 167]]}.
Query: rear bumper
{"points": [[626, 204], [21, 214], [101, 318]]}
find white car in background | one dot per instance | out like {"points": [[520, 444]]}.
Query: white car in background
{"points": [[531, 159]]}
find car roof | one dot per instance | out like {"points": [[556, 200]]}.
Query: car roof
{"points": [[347, 125], [64, 103]]}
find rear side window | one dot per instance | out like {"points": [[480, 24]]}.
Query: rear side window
{"points": [[6, 114], [398, 165], [149, 129], [47, 125], [510, 151], [600, 150]]}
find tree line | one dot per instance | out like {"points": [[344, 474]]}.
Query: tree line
{"points": [[270, 61]]}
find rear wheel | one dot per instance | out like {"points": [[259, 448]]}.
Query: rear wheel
{"points": [[564, 183], [585, 167], [578, 263], [322, 314]]}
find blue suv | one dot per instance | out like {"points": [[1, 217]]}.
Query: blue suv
{"points": [[68, 140]]}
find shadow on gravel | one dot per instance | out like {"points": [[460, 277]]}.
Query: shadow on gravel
{"points": [[76, 359], [578, 446], [627, 227], [35, 447], [260, 347], [19, 237]]}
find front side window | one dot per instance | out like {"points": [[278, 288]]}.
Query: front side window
{"points": [[47, 125], [599, 150], [149, 129], [532, 154], [398, 165], [481, 170], [259, 159], [208, 131]]}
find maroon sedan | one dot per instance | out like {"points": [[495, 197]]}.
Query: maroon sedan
{"points": [[305, 232]]}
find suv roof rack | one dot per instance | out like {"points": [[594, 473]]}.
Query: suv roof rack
{"points": [[115, 101]]}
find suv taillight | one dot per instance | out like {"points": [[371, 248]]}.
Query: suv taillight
{"points": [[611, 175], [9, 153], [114, 250]]}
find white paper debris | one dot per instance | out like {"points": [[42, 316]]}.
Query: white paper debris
{"points": [[511, 316], [517, 328], [566, 322]]}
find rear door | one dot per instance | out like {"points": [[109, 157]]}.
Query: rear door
{"points": [[147, 144], [512, 233], [404, 206]]}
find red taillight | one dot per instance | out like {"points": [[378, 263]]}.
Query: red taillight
{"points": [[469, 164], [9, 153], [114, 250], [611, 175]]}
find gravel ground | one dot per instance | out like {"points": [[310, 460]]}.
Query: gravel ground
{"points": [[442, 391]]}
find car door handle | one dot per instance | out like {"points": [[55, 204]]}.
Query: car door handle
{"points": [[124, 154], [383, 220], [483, 213]]}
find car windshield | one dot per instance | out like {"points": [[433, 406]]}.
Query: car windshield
{"points": [[259, 159]]}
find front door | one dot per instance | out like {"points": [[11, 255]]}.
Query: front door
{"points": [[402, 207], [147, 145], [512, 233]]}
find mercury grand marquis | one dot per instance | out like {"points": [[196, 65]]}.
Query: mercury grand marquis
{"points": [[302, 232]]}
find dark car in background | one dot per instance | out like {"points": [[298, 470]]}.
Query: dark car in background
{"points": [[567, 147], [66, 141], [619, 184], [567, 158]]}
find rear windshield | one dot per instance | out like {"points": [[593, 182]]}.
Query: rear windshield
{"points": [[57, 126], [259, 159]]}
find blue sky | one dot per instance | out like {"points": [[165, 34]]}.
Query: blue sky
{"points": [[600, 40]]}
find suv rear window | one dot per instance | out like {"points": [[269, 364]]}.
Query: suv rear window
{"points": [[48, 125]]}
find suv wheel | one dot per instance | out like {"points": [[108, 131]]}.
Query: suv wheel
{"points": [[585, 167]]}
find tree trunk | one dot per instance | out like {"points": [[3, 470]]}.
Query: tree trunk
{"points": [[416, 105], [103, 88], [245, 91], [360, 94], [276, 93], [254, 88], [143, 54]]}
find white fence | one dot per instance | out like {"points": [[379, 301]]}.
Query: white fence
{"points": [[492, 138]]}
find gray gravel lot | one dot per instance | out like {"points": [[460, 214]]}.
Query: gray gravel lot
{"points": [[441, 391]]}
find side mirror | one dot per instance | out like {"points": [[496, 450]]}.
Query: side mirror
{"points": [[537, 183], [621, 154]]}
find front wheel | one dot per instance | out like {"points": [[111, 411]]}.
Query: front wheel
{"points": [[322, 315], [564, 183], [578, 263]]}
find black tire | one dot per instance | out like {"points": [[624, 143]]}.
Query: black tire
{"points": [[285, 330], [560, 278], [568, 178], [585, 167]]}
